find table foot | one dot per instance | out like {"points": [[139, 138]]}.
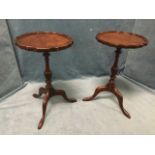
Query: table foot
{"points": [[63, 94], [50, 92], [41, 123], [97, 91], [110, 87], [41, 91], [44, 106], [116, 92]]}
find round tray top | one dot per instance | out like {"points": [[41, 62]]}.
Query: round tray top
{"points": [[121, 39], [43, 41]]}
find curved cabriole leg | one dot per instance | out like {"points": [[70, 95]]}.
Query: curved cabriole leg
{"points": [[110, 86], [41, 91], [116, 92], [49, 91], [63, 94], [97, 91], [44, 106]]}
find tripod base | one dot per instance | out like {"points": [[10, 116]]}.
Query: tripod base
{"points": [[48, 93], [110, 87]]}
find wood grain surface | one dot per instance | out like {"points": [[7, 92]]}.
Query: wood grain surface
{"points": [[43, 41], [122, 39]]}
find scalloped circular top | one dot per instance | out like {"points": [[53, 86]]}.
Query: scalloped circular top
{"points": [[122, 39], [43, 41]]}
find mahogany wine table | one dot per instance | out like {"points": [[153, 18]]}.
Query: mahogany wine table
{"points": [[118, 40], [45, 42]]}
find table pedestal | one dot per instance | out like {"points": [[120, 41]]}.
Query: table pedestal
{"points": [[49, 90], [110, 86]]}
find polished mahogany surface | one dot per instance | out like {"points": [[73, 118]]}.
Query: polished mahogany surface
{"points": [[122, 39], [43, 41], [118, 40]]}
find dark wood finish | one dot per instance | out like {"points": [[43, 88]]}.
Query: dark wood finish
{"points": [[122, 39], [118, 40], [44, 42], [49, 90]]}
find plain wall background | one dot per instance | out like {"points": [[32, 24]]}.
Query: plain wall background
{"points": [[86, 57], [9, 74], [140, 64]]}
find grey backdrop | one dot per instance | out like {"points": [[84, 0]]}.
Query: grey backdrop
{"points": [[9, 73], [140, 64], [86, 57]]}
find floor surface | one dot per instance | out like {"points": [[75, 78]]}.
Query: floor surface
{"points": [[20, 113]]}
